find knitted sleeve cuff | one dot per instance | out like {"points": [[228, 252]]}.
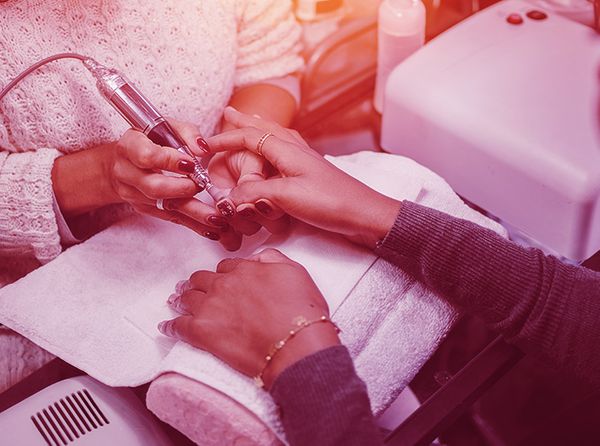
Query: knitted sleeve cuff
{"points": [[415, 226], [27, 219], [321, 398], [66, 236], [268, 42]]}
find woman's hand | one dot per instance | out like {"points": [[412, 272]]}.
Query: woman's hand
{"points": [[135, 171], [240, 311], [307, 186]]}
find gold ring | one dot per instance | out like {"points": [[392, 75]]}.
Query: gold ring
{"points": [[261, 142]]}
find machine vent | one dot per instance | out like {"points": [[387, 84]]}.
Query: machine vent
{"points": [[66, 420]]}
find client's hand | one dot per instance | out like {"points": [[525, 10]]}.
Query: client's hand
{"points": [[236, 167], [240, 311], [134, 168], [308, 187]]}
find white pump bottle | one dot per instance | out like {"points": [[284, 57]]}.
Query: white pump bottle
{"points": [[401, 33]]}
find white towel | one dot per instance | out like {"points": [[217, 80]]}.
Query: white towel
{"points": [[390, 322], [97, 305]]}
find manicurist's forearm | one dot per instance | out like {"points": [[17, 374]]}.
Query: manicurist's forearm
{"points": [[544, 306], [81, 181]]}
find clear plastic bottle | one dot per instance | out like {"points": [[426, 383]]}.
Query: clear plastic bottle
{"points": [[401, 32]]}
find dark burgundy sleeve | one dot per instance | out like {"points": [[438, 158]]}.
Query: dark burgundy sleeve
{"points": [[323, 402], [540, 304]]}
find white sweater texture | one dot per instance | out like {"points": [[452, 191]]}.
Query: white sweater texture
{"points": [[187, 56]]}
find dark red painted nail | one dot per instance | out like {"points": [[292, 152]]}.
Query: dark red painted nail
{"points": [[203, 144], [186, 166], [212, 235], [247, 213], [226, 208], [218, 221], [263, 207]]}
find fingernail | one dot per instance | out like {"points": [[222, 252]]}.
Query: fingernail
{"points": [[247, 213], [217, 221], [212, 235], [225, 208], [175, 303], [166, 328], [182, 285], [172, 298], [203, 144], [186, 166], [263, 207], [231, 107]]}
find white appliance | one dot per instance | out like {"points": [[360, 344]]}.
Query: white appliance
{"points": [[83, 412], [506, 107]]}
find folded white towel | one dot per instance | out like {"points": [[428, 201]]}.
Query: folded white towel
{"points": [[390, 322], [97, 305]]}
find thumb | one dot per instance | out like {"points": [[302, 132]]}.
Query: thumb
{"points": [[252, 191]]}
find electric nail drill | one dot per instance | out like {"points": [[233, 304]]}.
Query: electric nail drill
{"points": [[139, 112]]}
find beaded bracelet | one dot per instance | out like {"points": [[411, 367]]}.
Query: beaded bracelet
{"points": [[301, 322]]}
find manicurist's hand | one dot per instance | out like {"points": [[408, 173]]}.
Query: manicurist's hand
{"points": [[306, 186], [130, 171], [135, 171], [240, 311]]}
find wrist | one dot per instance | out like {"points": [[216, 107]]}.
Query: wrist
{"points": [[379, 219], [107, 160], [307, 342], [81, 181]]}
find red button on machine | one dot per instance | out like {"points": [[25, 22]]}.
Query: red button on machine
{"points": [[514, 19], [534, 14]]}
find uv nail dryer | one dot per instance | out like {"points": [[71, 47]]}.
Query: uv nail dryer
{"points": [[506, 107], [83, 412]]}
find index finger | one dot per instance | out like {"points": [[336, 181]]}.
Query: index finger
{"points": [[202, 280], [242, 120], [273, 149], [146, 155]]}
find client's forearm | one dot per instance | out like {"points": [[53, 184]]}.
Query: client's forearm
{"points": [[265, 100], [81, 181], [542, 305]]}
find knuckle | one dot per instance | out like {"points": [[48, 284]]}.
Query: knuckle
{"points": [[126, 137], [247, 140], [152, 188], [196, 277], [145, 154], [122, 191], [222, 286], [127, 195], [118, 169]]}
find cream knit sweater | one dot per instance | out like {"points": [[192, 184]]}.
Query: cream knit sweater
{"points": [[186, 55]]}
